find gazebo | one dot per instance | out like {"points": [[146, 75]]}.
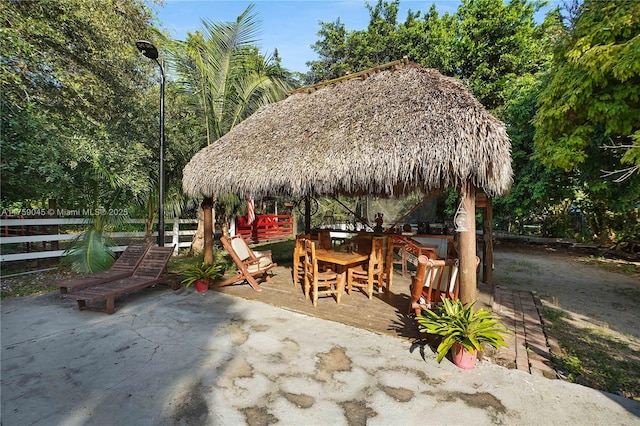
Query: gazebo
{"points": [[386, 131]]}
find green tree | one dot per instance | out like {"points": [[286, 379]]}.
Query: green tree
{"points": [[332, 50], [536, 186], [384, 40], [593, 97], [538, 191], [587, 119], [430, 40], [70, 100], [497, 41], [221, 66], [379, 43]]}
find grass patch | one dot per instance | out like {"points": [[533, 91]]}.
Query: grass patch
{"points": [[630, 269], [594, 357], [281, 251], [32, 283], [524, 266]]}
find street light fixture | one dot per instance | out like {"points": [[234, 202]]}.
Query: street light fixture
{"points": [[151, 52]]}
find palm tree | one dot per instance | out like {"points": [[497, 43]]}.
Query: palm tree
{"points": [[231, 79]]}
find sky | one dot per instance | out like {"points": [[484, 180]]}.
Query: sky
{"points": [[291, 26]]}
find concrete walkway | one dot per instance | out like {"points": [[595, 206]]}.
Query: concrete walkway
{"points": [[168, 358]]}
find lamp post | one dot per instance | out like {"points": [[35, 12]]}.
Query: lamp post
{"points": [[151, 52]]}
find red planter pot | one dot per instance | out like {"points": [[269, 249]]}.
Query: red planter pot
{"points": [[202, 286], [462, 357]]}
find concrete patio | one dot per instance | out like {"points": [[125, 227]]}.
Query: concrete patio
{"points": [[181, 357]]}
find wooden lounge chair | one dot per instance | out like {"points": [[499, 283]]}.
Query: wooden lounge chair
{"points": [[123, 267], [150, 271], [251, 266], [394, 246]]}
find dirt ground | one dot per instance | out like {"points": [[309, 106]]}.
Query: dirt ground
{"points": [[587, 287]]}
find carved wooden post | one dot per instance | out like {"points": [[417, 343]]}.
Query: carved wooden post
{"points": [[468, 246]]}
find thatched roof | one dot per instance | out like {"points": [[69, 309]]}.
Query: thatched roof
{"points": [[396, 131]]}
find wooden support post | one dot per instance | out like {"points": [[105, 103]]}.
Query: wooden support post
{"points": [[487, 236], [207, 215], [55, 229], [294, 221], [467, 251], [307, 214]]}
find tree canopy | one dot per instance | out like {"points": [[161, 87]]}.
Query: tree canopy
{"points": [[80, 104], [572, 85], [71, 104], [593, 96]]}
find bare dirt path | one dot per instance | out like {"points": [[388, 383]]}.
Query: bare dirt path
{"points": [[591, 295]]}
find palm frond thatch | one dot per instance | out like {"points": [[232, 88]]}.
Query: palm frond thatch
{"points": [[388, 134]]}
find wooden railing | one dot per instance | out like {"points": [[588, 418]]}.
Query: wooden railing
{"points": [[265, 227]]}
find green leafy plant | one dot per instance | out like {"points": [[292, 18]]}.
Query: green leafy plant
{"points": [[457, 323], [201, 271], [92, 250]]}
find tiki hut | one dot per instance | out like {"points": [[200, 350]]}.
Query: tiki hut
{"points": [[385, 131]]}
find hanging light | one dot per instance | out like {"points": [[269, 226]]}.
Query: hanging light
{"points": [[461, 217]]}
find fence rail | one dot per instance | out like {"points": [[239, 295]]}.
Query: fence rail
{"points": [[30, 239]]}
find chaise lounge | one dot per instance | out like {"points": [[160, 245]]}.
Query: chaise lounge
{"points": [[123, 267], [150, 271]]}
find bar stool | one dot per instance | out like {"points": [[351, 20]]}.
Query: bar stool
{"points": [[402, 252]]}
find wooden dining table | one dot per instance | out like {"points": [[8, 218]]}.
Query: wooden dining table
{"points": [[343, 259]]}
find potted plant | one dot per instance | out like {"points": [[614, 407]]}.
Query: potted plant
{"points": [[201, 274], [463, 330]]}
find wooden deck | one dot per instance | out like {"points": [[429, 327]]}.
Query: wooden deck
{"points": [[386, 314]]}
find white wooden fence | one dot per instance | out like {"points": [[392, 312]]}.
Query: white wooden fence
{"points": [[18, 231]]}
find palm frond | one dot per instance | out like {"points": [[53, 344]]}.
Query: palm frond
{"points": [[90, 252]]}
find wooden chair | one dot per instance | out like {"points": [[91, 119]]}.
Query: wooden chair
{"points": [[123, 267], [434, 278], [394, 246], [439, 279], [363, 241], [150, 271], [388, 264], [366, 277], [251, 266], [401, 248], [319, 283], [298, 259], [324, 240]]}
